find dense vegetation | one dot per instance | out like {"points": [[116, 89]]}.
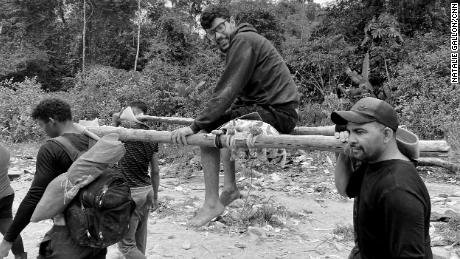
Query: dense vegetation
{"points": [[395, 50]]}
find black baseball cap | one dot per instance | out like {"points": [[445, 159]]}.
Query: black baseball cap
{"points": [[367, 110]]}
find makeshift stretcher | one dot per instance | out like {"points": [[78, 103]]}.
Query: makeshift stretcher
{"points": [[427, 148], [430, 152]]}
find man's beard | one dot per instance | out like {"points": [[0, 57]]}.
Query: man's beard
{"points": [[224, 48], [359, 153]]}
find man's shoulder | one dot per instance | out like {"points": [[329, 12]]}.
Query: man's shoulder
{"points": [[251, 37], [390, 166], [52, 146], [398, 174], [397, 165]]}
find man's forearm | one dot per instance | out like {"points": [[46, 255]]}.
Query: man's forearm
{"points": [[23, 214], [155, 178], [342, 173]]}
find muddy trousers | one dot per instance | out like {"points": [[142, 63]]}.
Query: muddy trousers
{"points": [[133, 244]]}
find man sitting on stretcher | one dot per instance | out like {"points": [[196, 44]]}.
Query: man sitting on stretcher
{"points": [[255, 79]]}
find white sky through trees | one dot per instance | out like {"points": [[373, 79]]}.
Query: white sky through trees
{"points": [[321, 2]]}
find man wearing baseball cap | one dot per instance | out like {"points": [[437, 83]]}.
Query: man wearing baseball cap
{"points": [[392, 213]]}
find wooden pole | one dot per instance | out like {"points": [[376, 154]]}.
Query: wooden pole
{"points": [[424, 145], [432, 161], [171, 120], [201, 139], [433, 146], [320, 130], [314, 142], [428, 148]]}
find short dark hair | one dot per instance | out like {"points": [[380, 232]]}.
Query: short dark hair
{"points": [[212, 12], [54, 108], [140, 105]]}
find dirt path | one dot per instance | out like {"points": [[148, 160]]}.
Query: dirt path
{"points": [[287, 213], [309, 221]]}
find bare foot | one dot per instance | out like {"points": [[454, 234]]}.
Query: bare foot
{"points": [[228, 196], [206, 214]]}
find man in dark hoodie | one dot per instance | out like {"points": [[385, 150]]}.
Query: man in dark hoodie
{"points": [[255, 79]]}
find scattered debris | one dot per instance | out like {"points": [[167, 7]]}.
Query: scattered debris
{"points": [[344, 232], [444, 217], [186, 245], [239, 245]]}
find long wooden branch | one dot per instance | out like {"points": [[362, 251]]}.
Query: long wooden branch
{"points": [[432, 161], [172, 120], [321, 130], [316, 142], [326, 143], [428, 148], [425, 145]]}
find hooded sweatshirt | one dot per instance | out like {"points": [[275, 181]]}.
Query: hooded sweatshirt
{"points": [[255, 73]]}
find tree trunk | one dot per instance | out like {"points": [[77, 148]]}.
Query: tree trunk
{"points": [[138, 33], [84, 39], [61, 12], [364, 86]]}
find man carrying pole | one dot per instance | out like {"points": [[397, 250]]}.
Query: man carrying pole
{"points": [[144, 188], [54, 116], [392, 211], [255, 79]]}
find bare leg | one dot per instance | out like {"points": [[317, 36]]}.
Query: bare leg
{"points": [[230, 191], [210, 159]]}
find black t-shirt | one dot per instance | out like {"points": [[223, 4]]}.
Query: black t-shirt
{"points": [[393, 212], [52, 161], [134, 164]]}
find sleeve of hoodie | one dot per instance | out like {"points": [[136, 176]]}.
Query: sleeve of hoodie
{"points": [[241, 61], [47, 168]]}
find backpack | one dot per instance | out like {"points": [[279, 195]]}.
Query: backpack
{"points": [[99, 215]]}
